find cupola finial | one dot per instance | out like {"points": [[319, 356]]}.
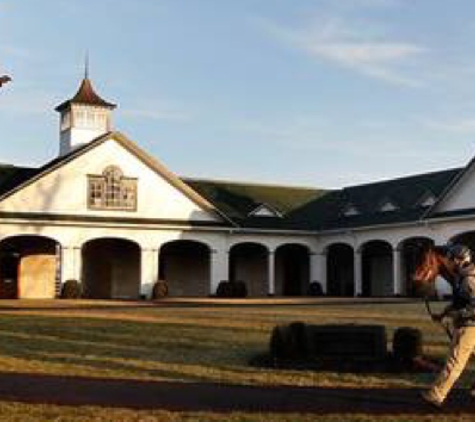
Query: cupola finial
{"points": [[86, 65]]}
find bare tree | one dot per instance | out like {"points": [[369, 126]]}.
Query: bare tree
{"points": [[4, 79]]}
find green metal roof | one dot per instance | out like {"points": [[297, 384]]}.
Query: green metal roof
{"points": [[241, 199], [299, 208], [327, 212], [13, 176]]}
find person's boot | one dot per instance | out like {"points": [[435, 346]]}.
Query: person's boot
{"points": [[431, 399]]}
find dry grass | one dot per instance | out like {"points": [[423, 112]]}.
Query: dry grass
{"points": [[17, 412], [184, 342]]}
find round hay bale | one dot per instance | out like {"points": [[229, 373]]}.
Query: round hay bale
{"points": [[298, 338], [407, 344], [160, 290], [71, 289], [288, 341]]}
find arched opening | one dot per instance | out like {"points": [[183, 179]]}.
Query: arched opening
{"points": [[292, 270], [29, 267], [377, 271], [248, 263], [111, 269], [412, 250], [340, 270], [185, 265]]}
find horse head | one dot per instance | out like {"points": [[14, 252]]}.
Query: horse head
{"points": [[434, 262]]}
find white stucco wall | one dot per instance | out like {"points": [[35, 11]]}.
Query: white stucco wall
{"points": [[65, 190]]}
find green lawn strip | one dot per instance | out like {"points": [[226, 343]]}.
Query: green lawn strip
{"points": [[211, 344], [182, 343]]}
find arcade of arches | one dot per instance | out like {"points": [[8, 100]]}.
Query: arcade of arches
{"points": [[33, 266]]}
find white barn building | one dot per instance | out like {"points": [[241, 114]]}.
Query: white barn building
{"points": [[106, 213]]}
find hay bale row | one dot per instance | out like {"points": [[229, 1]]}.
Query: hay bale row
{"points": [[299, 341]]}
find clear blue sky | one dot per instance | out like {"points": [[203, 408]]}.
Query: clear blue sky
{"points": [[322, 93]]}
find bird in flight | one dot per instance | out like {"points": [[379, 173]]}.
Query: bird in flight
{"points": [[4, 79]]}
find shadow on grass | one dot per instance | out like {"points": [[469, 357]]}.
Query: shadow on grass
{"points": [[120, 349], [138, 350], [176, 396]]}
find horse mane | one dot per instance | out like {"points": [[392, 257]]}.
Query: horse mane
{"points": [[444, 271]]}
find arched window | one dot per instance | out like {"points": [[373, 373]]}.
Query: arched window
{"points": [[112, 190]]}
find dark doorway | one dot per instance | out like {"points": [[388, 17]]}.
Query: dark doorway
{"points": [[340, 270], [185, 266], [111, 269], [292, 273]]}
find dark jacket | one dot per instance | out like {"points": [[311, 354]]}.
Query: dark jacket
{"points": [[463, 300]]}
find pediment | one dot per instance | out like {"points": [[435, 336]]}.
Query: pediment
{"points": [[459, 195], [142, 189]]}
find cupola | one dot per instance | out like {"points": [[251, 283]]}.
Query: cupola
{"points": [[84, 117]]}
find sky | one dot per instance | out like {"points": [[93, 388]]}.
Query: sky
{"points": [[318, 93]]}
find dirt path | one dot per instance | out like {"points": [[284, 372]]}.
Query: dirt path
{"points": [[175, 396]]}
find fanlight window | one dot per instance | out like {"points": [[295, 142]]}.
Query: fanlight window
{"points": [[112, 191]]}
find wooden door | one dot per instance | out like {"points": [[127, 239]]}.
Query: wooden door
{"points": [[37, 276]]}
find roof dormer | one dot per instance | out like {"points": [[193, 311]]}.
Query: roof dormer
{"points": [[264, 210], [426, 200], [387, 206], [350, 210]]}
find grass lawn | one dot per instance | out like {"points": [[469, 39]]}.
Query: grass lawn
{"points": [[188, 342]]}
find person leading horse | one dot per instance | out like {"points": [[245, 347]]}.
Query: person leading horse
{"points": [[454, 263]]}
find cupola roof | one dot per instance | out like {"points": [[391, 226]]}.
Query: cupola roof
{"points": [[86, 95]]}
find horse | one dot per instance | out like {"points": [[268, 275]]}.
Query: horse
{"points": [[435, 262]]}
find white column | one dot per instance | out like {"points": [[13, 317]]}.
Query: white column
{"points": [[219, 269], [358, 273], [397, 276], [271, 273], [148, 271], [71, 262], [318, 269]]}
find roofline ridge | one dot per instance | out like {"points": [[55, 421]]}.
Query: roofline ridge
{"points": [[397, 179], [245, 183]]}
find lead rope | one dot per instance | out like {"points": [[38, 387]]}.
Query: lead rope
{"points": [[443, 324]]}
